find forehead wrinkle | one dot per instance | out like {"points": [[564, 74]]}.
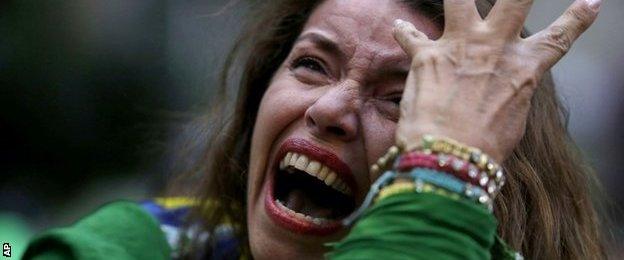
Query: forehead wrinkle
{"points": [[375, 60], [363, 30], [368, 24], [372, 33], [337, 26]]}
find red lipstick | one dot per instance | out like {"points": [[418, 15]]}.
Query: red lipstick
{"points": [[286, 219], [323, 156]]}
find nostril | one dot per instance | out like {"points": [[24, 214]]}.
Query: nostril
{"points": [[336, 130], [324, 123], [310, 122]]}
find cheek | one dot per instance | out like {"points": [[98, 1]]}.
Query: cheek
{"points": [[282, 104], [379, 135]]}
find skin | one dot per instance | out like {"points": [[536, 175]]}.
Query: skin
{"points": [[475, 83], [359, 94], [348, 102]]}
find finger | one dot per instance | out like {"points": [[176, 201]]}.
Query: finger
{"points": [[509, 16], [556, 40], [408, 37], [458, 14]]}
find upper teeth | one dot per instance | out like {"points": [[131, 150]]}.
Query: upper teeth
{"points": [[316, 169]]}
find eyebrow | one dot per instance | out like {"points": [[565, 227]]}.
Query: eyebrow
{"points": [[393, 69], [322, 42]]}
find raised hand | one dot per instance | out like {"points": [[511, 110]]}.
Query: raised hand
{"points": [[475, 83]]}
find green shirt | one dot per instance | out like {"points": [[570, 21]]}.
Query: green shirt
{"points": [[402, 226], [120, 230]]}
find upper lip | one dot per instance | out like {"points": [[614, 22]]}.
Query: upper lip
{"points": [[302, 146]]}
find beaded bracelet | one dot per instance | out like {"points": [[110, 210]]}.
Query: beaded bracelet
{"points": [[447, 163], [443, 147], [404, 187], [421, 176], [451, 183], [384, 161], [435, 144]]}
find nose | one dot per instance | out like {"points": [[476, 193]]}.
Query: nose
{"points": [[334, 114]]}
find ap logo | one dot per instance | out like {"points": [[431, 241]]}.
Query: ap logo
{"points": [[6, 250]]}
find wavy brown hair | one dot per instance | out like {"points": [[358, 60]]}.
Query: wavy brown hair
{"points": [[545, 210]]}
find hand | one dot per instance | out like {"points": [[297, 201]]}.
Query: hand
{"points": [[475, 83]]}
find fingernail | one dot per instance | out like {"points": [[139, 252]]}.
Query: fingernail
{"points": [[398, 22], [594, 4]]}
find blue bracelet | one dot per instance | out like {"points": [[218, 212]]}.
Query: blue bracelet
{"points": [[450, 183], [421, 176]]}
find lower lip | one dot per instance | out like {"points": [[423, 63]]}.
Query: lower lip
{"points": [[291, 223]]}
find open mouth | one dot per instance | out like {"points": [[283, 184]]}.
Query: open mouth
{"points": [[308, 196]]}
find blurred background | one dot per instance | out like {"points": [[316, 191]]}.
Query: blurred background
{"points": [[92, 93]]}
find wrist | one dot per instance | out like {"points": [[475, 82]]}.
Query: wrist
{"points": [[454, 168], [410, 139]]}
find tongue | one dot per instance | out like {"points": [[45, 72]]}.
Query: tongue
{"points": [[298, 201], [295, 200]]}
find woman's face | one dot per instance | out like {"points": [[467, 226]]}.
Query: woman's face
{"points": [[329, 112]]}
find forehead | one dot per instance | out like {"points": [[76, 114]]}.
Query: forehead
{"points": [[365, 24]]}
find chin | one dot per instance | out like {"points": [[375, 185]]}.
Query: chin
{"points": [[305, 193]]}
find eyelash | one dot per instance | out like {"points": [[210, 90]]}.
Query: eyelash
{"points": [[309, 63], [396, 99]]}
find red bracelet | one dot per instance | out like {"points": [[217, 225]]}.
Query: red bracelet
{"points": [[459, 168]]}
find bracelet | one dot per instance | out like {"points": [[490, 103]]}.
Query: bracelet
{"points": [[444, 145], [404, 187], [451, 183], [467, 153], [384, 161], [465, 171], [478, 163], [421, 176]]}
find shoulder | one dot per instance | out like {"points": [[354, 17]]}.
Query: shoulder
{"points": [[151, 229], [119, 230]]}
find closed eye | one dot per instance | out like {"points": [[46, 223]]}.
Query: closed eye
{"points": [[396, 100], [309, 63], [389, 106]]}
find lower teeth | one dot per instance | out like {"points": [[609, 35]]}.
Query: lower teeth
{"points": [[291, 212]]}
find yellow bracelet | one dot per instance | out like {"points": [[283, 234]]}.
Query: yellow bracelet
{"points": [[405, 187], [445, 145]]}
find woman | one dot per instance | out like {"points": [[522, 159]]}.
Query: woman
{"points": [[325, 81]]}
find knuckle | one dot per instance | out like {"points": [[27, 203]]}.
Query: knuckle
{"points": [[558, 38], [580, 17], [423, 57]]}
